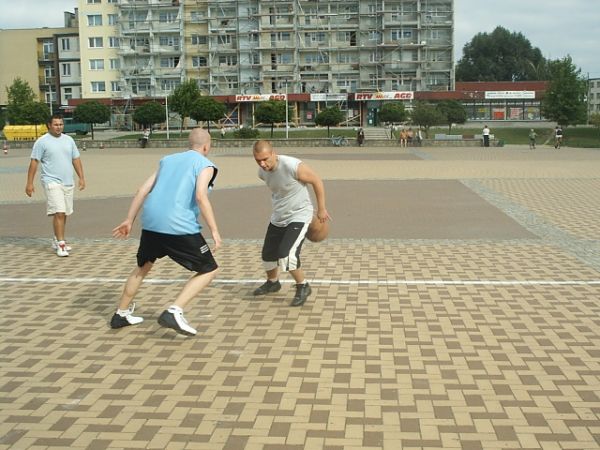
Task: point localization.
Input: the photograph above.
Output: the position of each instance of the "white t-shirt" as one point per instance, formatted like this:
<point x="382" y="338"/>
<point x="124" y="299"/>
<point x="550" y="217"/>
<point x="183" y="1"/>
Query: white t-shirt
<point x="290" y="197"/>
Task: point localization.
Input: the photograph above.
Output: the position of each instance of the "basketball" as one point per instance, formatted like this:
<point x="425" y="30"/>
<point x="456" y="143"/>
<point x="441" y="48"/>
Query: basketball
<point x="317" y="230"/>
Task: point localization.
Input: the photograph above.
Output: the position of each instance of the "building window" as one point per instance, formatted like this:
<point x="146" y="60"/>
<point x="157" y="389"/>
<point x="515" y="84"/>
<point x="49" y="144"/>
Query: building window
<point x="199" y="61"/>
<point x="91" y="2"/>
<point x="48" y="48"/>
<point x="98" y="86"/>
<point x="228" y="60"/>
<point x="94" y="20"/>
<point x="224" y="39"/>
<point x="167" y="17"/>
<point x="65" y="44"/>
<point x="115" y="86"/>
<point x="169" y="84"/>
<point x="196" y="16"/>
<point x="67" y="93"/>
<point x="169" y="62"/>
<point x="95" y="42"/>
<point x="96" y="64"/>
<point x="169" y="41"/>
<point x="115" y="64"/>
<point x="113" y="42"/>
<point x="198" y="39"/>
<point x="113" y="19"/>
<point x="113" y="1"/>
<point x="48" y="73"/>
<point x="66" y="69"/>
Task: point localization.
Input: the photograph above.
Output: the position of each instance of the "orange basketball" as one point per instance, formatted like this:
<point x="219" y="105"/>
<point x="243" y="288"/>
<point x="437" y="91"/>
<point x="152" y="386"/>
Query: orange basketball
<point x="317" y="230"/>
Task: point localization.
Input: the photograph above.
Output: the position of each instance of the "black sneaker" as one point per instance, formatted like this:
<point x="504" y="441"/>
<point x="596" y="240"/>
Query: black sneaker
<point x="302" y="293"/>
<point x="120" y="321"/>
<point x="176" y="321"/>
<point x="268" y="287"/>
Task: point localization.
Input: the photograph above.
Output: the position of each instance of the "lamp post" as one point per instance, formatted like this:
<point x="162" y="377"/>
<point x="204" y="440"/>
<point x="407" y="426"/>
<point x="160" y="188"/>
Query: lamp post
<point x="167" y="113"/>
<point x="287" y="126"/>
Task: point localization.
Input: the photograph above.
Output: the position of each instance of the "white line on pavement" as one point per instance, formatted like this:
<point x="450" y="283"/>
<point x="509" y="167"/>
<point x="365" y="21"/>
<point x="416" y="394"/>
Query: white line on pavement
<point x="98" y="280"/>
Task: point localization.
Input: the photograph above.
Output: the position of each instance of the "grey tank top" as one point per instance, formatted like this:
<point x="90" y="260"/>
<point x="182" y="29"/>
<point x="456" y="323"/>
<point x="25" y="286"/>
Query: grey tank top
<point x="290" y="197"/>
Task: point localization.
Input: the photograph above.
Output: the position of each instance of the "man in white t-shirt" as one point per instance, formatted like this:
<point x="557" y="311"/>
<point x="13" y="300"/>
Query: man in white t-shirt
<point x="486" y="136"/>
<point x="58" y="155"/>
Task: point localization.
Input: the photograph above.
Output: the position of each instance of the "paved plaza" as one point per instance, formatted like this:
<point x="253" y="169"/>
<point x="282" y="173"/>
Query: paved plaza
<point x="456" y="305"/>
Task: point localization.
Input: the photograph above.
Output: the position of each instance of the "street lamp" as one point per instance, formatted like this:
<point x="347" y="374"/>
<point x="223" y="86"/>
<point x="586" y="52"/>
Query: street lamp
<point x="287" y="127"/>
<point x="167" y="113"/>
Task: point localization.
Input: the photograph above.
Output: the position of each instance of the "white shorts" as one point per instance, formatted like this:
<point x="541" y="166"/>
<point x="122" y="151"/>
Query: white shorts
<point x="60" y="199"/>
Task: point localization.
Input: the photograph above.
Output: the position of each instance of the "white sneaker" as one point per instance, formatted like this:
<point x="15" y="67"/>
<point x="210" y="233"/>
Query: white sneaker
<point x="55" y="245"/>
<point x="61" y="249"/>
<point x="173" y="318"/>
<point x="125" y="318"/>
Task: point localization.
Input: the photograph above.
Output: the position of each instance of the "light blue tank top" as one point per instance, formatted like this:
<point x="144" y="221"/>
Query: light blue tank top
<point x="171" y="206"/>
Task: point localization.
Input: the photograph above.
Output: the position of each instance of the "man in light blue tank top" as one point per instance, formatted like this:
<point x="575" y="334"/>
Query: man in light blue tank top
<point x="58" y="156"/>
<point x="287" y="178"/>
<point x="174" y="198"/>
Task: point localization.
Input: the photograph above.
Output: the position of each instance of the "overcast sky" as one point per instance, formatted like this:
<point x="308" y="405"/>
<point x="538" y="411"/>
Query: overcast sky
<point x="556" y="27"/>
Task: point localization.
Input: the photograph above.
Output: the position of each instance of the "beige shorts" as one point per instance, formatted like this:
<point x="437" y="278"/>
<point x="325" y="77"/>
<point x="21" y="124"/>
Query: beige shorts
<point x="60" y="199"/>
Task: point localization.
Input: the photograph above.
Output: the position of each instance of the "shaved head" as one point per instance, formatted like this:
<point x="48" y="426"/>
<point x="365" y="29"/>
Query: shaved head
<point x="199" y="139"/>
<point x="262" y="146"/>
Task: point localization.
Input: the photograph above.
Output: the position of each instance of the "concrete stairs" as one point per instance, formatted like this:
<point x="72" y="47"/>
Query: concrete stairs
<point x="377" y="133"/>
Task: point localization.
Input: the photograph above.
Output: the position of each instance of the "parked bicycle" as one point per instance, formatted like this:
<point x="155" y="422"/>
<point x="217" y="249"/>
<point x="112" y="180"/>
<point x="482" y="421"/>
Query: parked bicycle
<point x="339" y="141"/>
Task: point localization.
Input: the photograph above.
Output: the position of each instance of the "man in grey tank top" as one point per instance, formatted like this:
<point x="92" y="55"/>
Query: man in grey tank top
<point x="287" y="178"/>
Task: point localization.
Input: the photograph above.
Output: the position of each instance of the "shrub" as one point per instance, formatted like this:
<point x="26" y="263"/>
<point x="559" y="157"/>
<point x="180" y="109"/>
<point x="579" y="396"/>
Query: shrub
<point x="246" y="133"/>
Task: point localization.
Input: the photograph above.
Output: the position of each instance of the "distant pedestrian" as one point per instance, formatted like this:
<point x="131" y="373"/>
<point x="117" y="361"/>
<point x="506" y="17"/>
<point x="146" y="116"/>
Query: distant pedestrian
<point x="532" y="136"/>
<point x="486" y="136"/>
<point x="360" y="137"/>
<point x="410" y="136"/>
<point x="145" y="138"/>
<point x="403" y="138"/>
<point x="558" y="136"/>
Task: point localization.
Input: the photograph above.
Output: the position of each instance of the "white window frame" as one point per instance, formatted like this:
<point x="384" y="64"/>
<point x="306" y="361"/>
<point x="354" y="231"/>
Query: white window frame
<point x="98" y="86"/>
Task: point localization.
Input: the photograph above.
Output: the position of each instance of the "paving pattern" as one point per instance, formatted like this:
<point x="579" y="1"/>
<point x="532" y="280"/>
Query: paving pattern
<point x="416" y="341"/>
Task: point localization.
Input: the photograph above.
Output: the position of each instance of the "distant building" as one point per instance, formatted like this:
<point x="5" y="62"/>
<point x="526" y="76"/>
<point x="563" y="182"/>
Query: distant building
<point x="38" y="55"/>
<point x="594" y="96"/>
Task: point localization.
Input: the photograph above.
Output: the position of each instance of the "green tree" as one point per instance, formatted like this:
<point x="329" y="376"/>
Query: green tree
<point x="183" y="99"/>
<point x="36" y="113"/>
<point x="149" y="113"/>
<point x="393" y="112"/>
<point x="329" y="117"/>
<point x="426" y="115"/>
<point x="2" y="119"/>
<point x="501" y="56"/>
<point x="207" y="109"/>
<point x="20" y="97"/>
<point x="270" y="112"/>
<point x="564" y="100"/>
<point x="595" y="120"/>
<point x="92" y="112"/>
<point x="453" y="112"/>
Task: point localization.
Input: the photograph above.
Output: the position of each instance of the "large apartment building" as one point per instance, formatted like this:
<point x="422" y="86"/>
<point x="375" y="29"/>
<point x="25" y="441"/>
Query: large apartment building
<point x="145" y="48"/>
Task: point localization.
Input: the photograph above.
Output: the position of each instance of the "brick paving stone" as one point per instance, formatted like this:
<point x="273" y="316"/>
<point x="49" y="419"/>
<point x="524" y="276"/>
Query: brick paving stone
<point x="405" y="343"/>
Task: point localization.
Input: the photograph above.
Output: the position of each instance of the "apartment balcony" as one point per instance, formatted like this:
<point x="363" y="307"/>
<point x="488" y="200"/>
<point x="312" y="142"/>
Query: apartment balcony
<point x="166" y="26"/>
<point x="133" y="3"/>
<point x="141" y="27"/>
<point x="47" y="81"/>
<point x="46" y="57"/>
<point x="137" y="72"/>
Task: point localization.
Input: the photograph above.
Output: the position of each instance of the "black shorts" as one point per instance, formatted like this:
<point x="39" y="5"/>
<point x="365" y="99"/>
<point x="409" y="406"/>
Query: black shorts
<point x="190" y="250"/>
<point x="283" y="245"/>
